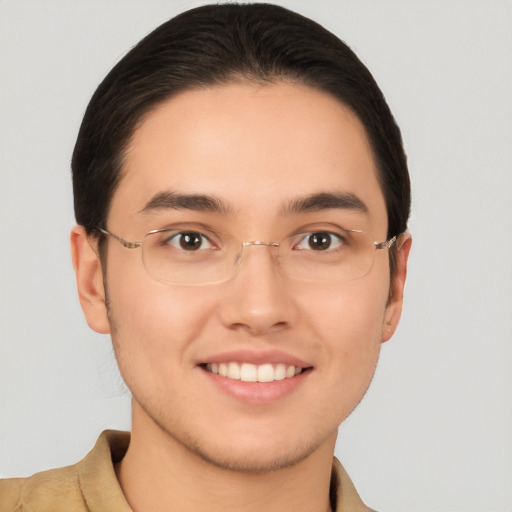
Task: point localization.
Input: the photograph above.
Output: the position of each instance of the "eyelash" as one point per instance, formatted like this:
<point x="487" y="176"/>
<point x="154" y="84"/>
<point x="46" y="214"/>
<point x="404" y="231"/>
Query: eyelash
<point x="329" y="235"/>
<point x="185" y="239"/>
<point x="179" y="234"/>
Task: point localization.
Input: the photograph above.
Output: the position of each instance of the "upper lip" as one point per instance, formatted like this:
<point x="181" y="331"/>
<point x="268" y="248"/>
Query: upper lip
<point x="256" y="358"/>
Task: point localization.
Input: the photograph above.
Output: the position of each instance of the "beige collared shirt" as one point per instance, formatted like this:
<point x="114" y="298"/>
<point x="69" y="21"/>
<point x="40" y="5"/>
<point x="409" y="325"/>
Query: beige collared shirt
<point x="92" y="486"/>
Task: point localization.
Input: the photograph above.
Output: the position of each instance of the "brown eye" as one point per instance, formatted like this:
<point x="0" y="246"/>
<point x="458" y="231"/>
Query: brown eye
<point x="320" y="241"/>
<point x="190" y="241"/>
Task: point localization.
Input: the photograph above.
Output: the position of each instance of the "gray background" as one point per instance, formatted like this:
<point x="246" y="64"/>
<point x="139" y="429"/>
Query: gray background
<point x="434" y="431"/>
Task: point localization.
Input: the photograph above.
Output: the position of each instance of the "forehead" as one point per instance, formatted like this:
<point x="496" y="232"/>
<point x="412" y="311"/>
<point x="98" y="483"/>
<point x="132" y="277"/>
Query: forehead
<point x="253" y="146"/>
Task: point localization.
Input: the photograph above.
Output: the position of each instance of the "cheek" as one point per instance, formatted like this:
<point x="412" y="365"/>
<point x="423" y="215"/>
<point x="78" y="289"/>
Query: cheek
<point x="156" y="330"/>
<point x="348" y="320"/>
<point x="346" y="323"/>
<point x="153" y="324"/>
<point x="350" y="310"/>
<point x="159" y="314"/>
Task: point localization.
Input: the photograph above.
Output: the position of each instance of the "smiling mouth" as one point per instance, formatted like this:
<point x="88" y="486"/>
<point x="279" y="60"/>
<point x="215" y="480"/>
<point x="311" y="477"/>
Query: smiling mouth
<point x="247" y="372"/>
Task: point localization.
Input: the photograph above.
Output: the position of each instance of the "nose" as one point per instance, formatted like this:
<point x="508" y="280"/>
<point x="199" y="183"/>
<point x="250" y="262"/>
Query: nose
<point x="258" y="299"/>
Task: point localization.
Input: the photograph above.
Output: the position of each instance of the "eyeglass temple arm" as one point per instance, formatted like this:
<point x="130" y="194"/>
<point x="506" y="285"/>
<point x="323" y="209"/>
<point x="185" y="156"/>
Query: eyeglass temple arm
<point x="122" y="241"/>
<point x="386" y="244"/>
<point x="389" y="243"/>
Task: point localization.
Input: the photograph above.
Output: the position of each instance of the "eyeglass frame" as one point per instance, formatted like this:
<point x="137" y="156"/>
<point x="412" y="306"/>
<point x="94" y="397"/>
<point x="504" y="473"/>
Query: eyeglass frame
<point x="386" y="244"/>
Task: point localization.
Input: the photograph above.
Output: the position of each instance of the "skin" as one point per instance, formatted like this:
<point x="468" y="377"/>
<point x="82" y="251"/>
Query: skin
<point x="256" y="148"/>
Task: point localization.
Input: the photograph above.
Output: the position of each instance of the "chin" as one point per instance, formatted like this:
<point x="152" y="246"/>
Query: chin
<point x="242" y="459"/>
<point x="250" y="452"/>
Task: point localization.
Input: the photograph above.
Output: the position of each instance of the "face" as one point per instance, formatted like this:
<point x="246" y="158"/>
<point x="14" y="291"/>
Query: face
<point x="255" y="150"/>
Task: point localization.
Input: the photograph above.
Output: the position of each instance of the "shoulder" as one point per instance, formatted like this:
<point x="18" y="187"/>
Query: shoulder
<point x="89" y="485"/>
<point x="55" y="490"/>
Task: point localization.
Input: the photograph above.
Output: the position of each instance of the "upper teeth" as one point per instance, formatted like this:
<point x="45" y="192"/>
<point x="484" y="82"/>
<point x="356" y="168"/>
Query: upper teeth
<point x="254" y="373"/>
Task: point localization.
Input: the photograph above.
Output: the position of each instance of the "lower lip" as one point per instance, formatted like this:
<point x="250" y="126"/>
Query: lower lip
<point x="258" y="392"/>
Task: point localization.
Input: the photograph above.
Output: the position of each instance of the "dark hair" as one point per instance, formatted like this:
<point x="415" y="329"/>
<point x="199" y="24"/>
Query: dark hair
<point x="217" y="44"/>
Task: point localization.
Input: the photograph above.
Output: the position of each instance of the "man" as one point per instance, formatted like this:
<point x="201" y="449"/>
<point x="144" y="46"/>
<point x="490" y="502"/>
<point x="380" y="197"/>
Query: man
<point x="242" y="198"/>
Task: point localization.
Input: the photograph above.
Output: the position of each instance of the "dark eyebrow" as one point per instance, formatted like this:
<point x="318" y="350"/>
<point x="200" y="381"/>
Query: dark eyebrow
<point x="326" y="201"/>
<point x="175" y="201"/>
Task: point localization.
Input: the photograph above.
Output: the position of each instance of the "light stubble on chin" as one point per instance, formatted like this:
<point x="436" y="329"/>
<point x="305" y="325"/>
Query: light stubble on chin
<point x="217" y="457"/>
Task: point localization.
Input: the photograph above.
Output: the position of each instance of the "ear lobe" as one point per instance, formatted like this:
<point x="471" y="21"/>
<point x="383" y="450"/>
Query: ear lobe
<point x="394" y="306"/>
<point x="89" y="280"/>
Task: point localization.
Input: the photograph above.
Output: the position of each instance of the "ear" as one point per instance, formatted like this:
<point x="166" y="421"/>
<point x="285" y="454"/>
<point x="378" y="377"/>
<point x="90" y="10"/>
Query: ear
<point x="394" y="306"/>
<point x="89" y="280"/>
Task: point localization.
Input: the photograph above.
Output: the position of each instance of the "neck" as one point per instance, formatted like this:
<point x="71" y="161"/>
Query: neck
<point x="159" y="474"/>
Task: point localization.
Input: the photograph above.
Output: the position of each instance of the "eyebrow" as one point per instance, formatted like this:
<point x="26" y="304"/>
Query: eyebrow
<point x="326" y="201"/>
<point x="175" y="201"/>
<point x="206" y="203"/>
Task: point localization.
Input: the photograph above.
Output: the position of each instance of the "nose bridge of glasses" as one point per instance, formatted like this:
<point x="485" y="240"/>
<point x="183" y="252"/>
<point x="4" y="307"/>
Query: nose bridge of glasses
<point x="260" y="243"/>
